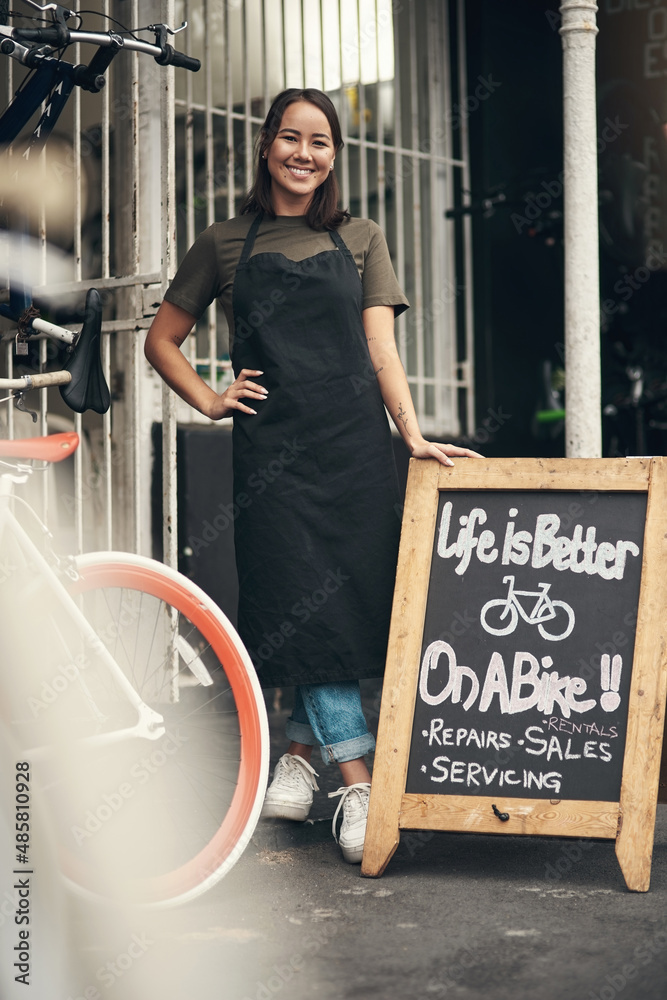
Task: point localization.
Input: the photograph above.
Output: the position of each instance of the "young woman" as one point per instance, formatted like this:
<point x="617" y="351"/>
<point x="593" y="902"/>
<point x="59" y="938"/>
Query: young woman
<point x="310" y="297"/>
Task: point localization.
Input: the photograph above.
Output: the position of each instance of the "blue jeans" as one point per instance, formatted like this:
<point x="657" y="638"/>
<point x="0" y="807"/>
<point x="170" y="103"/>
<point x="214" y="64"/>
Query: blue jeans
<point x="330" y="715"/>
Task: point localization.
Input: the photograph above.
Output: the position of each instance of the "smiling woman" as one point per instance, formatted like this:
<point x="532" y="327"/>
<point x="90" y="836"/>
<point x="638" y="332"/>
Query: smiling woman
<point x="297" y="147"/>
<point x="311" y="297"/>
<point x="299" y="158"/>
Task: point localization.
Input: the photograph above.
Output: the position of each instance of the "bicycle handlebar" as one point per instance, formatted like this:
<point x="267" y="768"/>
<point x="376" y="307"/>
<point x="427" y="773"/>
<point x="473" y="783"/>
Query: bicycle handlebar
<point x="46" y="36"/>
<point x="171" y="57"/>
<point x="60" y="36"/>
<point x="37" y="381"/>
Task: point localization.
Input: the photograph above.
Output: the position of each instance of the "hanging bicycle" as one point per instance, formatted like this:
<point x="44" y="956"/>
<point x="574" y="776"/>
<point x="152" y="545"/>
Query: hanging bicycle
<point x="126" y="689"/>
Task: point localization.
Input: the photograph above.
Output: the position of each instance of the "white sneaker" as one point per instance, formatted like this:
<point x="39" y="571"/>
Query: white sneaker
<point x="290" y="794"/>
<point x="354" y="802"/>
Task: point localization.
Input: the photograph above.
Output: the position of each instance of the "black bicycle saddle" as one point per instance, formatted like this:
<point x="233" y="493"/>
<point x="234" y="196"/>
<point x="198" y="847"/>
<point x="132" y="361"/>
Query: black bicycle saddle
<point x="88" y="389"/>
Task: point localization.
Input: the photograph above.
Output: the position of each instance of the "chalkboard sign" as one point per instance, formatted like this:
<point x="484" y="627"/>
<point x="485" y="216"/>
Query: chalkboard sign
<point x="530" y="621"/>
<point x="526" y="671"/>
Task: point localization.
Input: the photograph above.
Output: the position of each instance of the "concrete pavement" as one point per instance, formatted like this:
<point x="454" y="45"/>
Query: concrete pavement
<point x="454" y="915"/>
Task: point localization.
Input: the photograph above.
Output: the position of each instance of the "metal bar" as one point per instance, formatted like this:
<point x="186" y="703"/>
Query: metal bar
<point x="381" y="178"/>
<point x="78" y="222"/>
<point x="303" y="44"/>
<point x="134" y="63"/>
<point x="133" y="338"/>
<point x="416" y="154"/>
<point x="76" y="144"/>
<point x="301" y="49"/>
<point x="284" y="36"/>
<point x="133" y="435"/>
<point x="10" y="345"/>
<point x="265" y="67"/>
<point x="106" y="459"/>
<point x="122" y="281"/>
<point x="108" y="326"/>
<point x="247" y="131"/>
<point x="104" y="40"/>
<point x="361" y="103"/>
<point x="189" y="153"/>
<point x="398" y="168"/>
<point x="314" y="38"/>
<point x="229" y="106"/>
<point x="78" y="486"/>
<point x="124" y="325"/>
<point x="467" y="225"/>
<point x="344" y="170"/>
<point x="416" y="211"/>
<point x="107" y="467"/>
<point x="322" y="46"/>
<point x="441" y="315"/>
<point x="106" y="231"/>
<point x="10" y="374"/>
<point x="168" y="184"/>
<point x="43" y="429"/>
<point x="211" y="325"/>
<point x="43" y="393"/>
<point x="448" y="225"/>
<point x="189" y="125"/>
<point x="440" y="320"/>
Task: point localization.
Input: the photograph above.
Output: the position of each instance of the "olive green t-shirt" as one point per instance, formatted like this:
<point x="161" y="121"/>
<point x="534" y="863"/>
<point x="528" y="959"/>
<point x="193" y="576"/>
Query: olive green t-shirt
<point x="208" y="269"/>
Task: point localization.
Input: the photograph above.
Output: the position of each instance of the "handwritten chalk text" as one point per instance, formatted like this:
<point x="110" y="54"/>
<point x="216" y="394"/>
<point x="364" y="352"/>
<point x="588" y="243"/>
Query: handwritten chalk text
<point x="543" y="546"/>
<point x="527" y="689"/>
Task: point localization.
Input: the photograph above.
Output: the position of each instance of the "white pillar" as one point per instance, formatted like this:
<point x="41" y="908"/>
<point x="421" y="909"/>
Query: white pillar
<point x="583" y="431"/>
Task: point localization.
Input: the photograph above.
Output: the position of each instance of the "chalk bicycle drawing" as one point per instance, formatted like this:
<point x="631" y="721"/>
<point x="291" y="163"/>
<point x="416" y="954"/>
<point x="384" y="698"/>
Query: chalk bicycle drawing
<point x="112" y="661"/>
<point x="543" y="610"/>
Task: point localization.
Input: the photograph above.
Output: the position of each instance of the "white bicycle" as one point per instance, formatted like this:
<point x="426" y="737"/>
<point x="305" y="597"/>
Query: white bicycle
<point x="133" y="699"/>
<point x="542" y="610"/>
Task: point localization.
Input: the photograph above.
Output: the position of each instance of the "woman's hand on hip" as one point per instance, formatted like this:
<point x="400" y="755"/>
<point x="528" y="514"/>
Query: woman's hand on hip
<point x="231" y="399"/>
<point x="442" y="452"/>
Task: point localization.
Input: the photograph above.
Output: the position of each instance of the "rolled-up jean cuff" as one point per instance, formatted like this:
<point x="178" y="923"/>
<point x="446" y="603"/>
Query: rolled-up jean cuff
<point x="300" y="732"/>
<point x="348" y="749"/>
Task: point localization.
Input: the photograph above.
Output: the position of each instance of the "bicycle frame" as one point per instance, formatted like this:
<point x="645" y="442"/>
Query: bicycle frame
<point x="155" y="639"/>
<point x="55" y="79"/>
<point x="50" y="85"/>
<point x="543" y="601"/>
<point x="150" y="724"/>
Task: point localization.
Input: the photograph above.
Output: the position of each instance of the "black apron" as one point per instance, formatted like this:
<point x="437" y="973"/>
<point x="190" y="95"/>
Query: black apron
<point x="315" y="482"/>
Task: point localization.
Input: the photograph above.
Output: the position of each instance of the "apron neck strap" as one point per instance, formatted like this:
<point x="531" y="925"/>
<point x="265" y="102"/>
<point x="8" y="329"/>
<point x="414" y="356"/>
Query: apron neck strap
<point x="340" y="243"/>
<point x="250" y="239"/>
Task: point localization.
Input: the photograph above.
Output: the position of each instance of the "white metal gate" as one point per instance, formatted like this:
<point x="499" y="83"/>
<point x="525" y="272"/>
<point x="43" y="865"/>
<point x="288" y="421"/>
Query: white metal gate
<point x="152" y="160"/>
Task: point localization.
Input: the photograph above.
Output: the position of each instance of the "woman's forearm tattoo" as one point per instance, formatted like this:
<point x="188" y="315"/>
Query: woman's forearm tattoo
<point x="402" y="417"/>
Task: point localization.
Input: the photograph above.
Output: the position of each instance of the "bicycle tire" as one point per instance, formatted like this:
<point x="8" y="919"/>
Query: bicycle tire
<point x="215" y="831"/>
<point x="570" y="623"/>
<point x="500" y="602"/>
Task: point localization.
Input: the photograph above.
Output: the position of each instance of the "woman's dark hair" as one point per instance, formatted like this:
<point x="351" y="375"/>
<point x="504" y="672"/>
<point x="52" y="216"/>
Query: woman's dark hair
<point x="323" y="212"/>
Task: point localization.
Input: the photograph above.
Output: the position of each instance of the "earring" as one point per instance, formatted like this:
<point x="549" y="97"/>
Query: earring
<point x="331" y="165"/>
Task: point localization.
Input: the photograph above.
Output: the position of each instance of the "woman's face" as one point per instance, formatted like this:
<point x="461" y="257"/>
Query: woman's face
<point x="299" y="158"/>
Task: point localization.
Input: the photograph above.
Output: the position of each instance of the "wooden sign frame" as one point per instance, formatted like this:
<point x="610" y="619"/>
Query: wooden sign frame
<point x="631" y="821"/>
